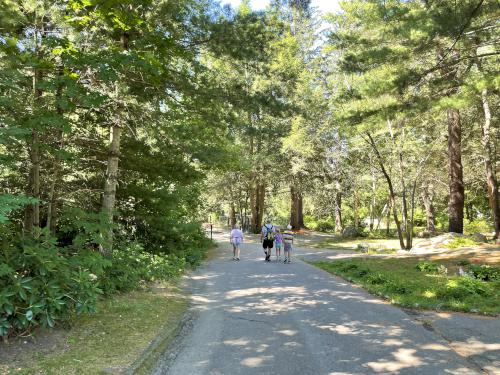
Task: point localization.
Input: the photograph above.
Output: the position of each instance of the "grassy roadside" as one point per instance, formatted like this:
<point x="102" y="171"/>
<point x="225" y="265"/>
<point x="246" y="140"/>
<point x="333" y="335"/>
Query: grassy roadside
<point x="352" y="243"/>
<point x="400" y="282"/>
<point x="106" y="342"/>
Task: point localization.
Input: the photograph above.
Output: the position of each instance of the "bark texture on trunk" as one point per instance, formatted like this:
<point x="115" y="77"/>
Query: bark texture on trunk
<point x="232" y="215"/>
<point x="296" y="208"/>
<point x="257" y="199"/>
<point x="427" y="199"/>
<point x="457" y="195"/>
<point x="301" y="211"/>
<point x="32" y="211"/>
<point x="111" y="180"/>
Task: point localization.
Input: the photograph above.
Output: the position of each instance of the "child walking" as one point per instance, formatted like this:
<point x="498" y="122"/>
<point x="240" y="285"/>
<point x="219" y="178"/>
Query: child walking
<point x="288" y="241"/>
<point x="278" y="239"/>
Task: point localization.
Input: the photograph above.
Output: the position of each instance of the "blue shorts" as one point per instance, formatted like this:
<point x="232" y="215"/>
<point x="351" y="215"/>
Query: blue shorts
<point x="236" y="241"/>
<point x="288" y="246"/>
<point x="279" y="246"/>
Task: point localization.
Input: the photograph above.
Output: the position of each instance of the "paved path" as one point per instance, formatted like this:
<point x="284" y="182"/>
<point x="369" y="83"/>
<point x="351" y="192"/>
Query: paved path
<point x="252" y="317"/>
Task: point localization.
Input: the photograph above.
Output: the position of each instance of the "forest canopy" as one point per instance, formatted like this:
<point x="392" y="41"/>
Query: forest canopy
<point x="124" y="125"/>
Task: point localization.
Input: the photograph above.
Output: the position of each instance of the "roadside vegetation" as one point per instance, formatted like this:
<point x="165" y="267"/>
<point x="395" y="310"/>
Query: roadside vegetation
<point x="444" y="284"/>
<point x="108" y="341"/>
<point x="124" y="125"/>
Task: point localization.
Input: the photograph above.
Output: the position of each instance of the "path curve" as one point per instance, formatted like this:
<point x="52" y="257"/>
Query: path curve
<point x="252" y="317"/>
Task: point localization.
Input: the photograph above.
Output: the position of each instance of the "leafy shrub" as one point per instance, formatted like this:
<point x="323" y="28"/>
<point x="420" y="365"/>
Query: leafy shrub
<point x="320" y="225"/>
<point x="463" y="262"/>
<point x="429" y="267"/>
<point x="463" y="287"/>
<point x="460" y="242"/>
<point x="40" y="286"/>
<point x="377" y="279"/>
<point x="484" y="272"/>
<point x="42" y="282"/>
<point x="131" y="265"/>
<point x="398" y="288"/>
<point x="477" y="226"/>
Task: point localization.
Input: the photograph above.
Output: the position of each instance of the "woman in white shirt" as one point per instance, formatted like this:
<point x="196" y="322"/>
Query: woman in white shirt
<point x="236" y="238"/>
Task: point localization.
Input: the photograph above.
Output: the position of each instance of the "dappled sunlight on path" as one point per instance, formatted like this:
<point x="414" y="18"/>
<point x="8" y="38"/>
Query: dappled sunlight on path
<point x="254" y="317"/>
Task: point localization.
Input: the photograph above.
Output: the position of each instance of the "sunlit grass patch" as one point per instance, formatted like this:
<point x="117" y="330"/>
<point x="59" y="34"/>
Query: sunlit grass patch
<point x="401" y="282"/>
<point x="373" y="245"/>
<point x="461" y="242"/>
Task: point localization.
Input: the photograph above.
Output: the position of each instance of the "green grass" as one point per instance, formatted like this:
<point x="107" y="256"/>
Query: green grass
<point x="461" y="242"/>
<point x="400" y="282"/>
<point x="112" y="339"/>
<point x="352" y="243"/>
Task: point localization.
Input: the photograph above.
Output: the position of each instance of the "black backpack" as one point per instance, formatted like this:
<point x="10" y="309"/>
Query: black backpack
<point x="269" y="233"/>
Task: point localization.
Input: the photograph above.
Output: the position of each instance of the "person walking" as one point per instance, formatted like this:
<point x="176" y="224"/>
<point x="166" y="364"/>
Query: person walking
<point x="267" y="238"/>
<point x="278" y="242"/>
<point x="236" y="238"/>
<point x="288" y="241"/>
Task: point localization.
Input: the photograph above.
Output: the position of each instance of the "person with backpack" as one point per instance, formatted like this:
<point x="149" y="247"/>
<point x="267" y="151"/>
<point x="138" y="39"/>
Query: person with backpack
<point x="267" y="238"/>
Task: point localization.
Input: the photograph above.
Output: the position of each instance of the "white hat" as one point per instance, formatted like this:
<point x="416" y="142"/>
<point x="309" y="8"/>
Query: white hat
<point x="289" y="227"/>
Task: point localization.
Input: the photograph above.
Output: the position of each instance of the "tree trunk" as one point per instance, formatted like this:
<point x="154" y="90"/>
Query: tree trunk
<point x="56" y="164"/>
<point x="294" y="207"/>
<point x="111" y="180"/>
<point x="110" y="183"/>
<point x="338" y="209"/>
<point x="489" y="160"/>
<point x="232" y="215"/>
<point x="355" y="208"/>
<point x="257" y="197"/>
<point x="373" y="200"/>
<point x="388" y="219"/>
<point x="392" y="196"/>
<point x="32" y="211"/>
<point x="404" y="204"/>
<point x="449" y="72"/>
<point x="457" y="196"/>
<point x="301" y="212"/>
<point x="262" y="196"/>
<point x="409" y="232"/>
<point x="427" y="198"/>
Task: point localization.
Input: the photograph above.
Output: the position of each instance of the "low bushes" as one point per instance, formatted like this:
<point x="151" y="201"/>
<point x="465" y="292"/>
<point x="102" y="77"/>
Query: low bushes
<point x="424" y="284"/>
<point x="44" y="281"/>
<point x="461" y="242"/>
<point x="463" y="287"/>
<point x="40" y="285"/>
<point x="320" y="225"/>
<point x="484" y="272"/>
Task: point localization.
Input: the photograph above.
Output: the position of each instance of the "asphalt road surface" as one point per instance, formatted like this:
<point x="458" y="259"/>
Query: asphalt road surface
<point x="252" y="317"/>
